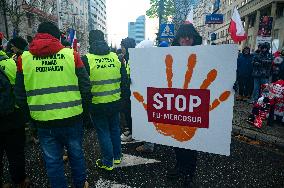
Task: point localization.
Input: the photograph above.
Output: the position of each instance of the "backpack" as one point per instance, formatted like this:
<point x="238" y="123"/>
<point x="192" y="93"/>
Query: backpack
<point x="7" y="100"/>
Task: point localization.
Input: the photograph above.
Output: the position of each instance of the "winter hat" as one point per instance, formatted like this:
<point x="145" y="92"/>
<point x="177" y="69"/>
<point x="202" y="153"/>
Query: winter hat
<point x="164" y="44"/>
<point x="50" y="28"/>
<point x="19" y="43"/>
<point x="128" y="43"/>
<point x="96" y="35"/>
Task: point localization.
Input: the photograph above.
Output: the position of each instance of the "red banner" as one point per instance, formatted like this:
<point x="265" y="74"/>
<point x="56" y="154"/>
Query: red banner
<point x="185" y="107"/>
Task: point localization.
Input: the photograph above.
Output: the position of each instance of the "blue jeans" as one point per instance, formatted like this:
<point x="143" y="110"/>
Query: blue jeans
<point x="108" y="131"/>
<point x="53" y="141"/>
<point x="256" y="88"/>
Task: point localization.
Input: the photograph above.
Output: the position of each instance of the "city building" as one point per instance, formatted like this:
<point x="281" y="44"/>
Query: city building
<point x="200" y="10"/>
<point x="26" y="18"/>
<point x="131" y="29"/>
<point x="136" y="30"/>
<point x="251" y="12"/>
<point x="97" y="15"/>
<point x="73" y="14"/>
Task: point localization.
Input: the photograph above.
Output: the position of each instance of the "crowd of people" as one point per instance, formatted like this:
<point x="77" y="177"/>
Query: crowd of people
<point x="260" y="78"/>
<point x="47" y="85"/>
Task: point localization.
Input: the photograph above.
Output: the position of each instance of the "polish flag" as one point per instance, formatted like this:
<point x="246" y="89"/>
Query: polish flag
<point x="75" y="42"/>
<point x="236" y="28"/>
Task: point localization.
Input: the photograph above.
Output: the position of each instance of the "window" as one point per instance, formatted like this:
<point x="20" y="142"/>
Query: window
<point x="280" y="10"/>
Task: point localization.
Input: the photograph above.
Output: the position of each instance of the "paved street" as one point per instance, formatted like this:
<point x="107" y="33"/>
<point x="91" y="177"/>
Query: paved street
<point x="248" y="166"/>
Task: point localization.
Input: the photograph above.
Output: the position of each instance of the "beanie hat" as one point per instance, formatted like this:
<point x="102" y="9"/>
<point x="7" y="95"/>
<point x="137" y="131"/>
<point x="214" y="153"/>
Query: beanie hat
<point x="50" y="28"/>
<point x="128" y="43"/>
<point x="19" y="43"/>
<point x="96" y="35"/>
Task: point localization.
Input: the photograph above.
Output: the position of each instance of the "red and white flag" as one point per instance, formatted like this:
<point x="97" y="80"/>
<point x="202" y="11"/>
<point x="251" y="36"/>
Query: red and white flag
<point x="236" y="28"/>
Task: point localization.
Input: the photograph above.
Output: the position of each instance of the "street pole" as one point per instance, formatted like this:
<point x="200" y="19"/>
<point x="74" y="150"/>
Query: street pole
<point x="161" y="14"/>
<point x="58" y="6"/>
<point x="5" y="18"/>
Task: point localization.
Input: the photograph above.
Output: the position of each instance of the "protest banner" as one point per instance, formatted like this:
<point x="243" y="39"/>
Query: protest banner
<point x="183" y="96"/>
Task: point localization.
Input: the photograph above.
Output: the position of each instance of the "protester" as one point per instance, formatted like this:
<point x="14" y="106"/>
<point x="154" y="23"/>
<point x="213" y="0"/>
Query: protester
<point x="52" y="85"/>
<point x="186" y="159"/>
<point x="12" y="130"/>
<point x="127" y="43"/>
<point x="244" y="71"/>
<point x="261" y="71"/>
<point x="18" y="46"/>
<point x="109" y="85"/>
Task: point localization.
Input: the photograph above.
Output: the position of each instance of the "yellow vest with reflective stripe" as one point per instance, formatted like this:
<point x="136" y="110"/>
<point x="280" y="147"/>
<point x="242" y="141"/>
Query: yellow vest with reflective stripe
<point x="52" y="86"/>
<point x="10" y="69"/>
<point x="105" y="77"/>
<point x="127" y="66"/>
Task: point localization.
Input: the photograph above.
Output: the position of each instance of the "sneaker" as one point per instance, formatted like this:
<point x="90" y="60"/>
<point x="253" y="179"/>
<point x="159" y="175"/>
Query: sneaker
<point x="142" y="149"/>
<point x="126" y="136"/>
<point x="100" y="164"/>
<point x="117" y="161"/>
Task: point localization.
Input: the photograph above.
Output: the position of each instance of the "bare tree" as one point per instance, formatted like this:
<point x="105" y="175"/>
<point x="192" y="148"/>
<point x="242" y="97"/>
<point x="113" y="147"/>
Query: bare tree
<point x="182" y="10"/>
<point x="18" y="10"/>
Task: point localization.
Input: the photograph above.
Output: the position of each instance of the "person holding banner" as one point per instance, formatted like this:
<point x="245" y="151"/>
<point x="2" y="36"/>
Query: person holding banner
<point x="186" y="159"/>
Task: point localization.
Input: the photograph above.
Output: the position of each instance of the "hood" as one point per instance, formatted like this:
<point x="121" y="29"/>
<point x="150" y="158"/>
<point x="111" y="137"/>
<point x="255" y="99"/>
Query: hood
<point x="99" y="48"/>
<point x="44" y="45"/>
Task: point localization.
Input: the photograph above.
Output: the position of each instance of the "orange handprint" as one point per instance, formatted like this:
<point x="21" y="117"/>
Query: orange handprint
<point x="184" y="133"/>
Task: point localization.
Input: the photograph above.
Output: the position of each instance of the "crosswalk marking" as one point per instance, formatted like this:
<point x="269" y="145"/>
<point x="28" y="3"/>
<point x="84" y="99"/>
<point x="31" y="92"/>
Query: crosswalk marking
<point x="131" y="160"/>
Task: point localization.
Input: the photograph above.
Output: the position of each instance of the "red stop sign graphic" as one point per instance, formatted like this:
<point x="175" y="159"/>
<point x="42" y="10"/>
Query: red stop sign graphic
<point x="185" y="107"/>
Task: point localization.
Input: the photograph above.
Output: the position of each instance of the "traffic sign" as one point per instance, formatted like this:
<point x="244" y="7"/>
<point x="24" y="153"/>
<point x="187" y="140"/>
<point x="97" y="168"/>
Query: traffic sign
<point x="167" y="31"/>
<point x="214" y="19"/>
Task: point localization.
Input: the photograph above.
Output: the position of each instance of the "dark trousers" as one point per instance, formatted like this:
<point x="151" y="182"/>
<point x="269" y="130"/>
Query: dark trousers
<point x="186" y="161"/>
<point x="12" y="142"/>
<point x="245" y="86"/>
<point x="127" y="114"/>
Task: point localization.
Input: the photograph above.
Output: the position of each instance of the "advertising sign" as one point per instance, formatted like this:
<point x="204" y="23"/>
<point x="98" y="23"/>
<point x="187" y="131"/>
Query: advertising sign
<point x="214" y="19"/>
<point x="183" y="96"/>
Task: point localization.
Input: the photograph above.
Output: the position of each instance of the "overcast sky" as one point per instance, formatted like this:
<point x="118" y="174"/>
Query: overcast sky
<point x="120" y="12"/>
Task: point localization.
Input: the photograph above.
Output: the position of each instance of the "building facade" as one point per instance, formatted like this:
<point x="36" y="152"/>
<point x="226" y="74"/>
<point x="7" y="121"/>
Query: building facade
<point x="200" y="10"/>
<point x="97" y="15"/>
<point x="136" y="30"/>
<point x="26" y="20"/>
<point x="73" y="14"/>
<point x="251" y="12"/>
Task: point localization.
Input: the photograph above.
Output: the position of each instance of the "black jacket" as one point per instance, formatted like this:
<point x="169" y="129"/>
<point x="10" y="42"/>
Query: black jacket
<point x="101" y="48"/>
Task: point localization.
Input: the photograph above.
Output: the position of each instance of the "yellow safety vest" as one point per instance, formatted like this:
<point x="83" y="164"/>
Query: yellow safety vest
<point x="10" y="69"/>
<point x="105" y="77"/>
<point x="52" y="86"/>
<point x="127" y="66"/>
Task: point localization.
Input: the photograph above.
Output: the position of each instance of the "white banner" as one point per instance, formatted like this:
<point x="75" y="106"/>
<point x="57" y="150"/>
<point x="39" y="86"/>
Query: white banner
<point x="189" y="91"/>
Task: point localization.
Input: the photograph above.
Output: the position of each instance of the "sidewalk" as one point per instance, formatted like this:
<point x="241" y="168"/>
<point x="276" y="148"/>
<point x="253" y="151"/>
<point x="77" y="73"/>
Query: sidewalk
<point x="269" y="134"/>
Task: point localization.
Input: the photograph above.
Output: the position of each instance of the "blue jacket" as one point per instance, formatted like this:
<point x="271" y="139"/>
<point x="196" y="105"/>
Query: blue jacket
<point x="244" y="68"/>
